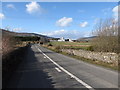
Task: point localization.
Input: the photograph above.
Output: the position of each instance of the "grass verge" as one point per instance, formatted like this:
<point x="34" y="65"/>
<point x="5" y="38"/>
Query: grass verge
<point x="95" y="62"/>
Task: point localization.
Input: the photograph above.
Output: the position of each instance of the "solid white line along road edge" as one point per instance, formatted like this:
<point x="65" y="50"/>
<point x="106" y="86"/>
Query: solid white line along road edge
<point x="58" y="69"/>
<point x="73" y="76"/>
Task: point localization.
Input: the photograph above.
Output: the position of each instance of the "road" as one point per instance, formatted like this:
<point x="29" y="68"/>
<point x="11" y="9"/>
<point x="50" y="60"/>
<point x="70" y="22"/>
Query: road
<point x="44" y="68"/>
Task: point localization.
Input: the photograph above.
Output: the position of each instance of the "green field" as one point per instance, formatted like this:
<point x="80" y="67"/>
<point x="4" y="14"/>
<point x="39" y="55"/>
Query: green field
<point x="71" y="45"/>
<point x="68" y="43"/>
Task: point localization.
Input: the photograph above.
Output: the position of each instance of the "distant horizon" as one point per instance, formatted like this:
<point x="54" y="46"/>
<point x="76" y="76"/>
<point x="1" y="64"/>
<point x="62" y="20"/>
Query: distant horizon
<point x="56" y="19"/>
<point x="49" y="36"/>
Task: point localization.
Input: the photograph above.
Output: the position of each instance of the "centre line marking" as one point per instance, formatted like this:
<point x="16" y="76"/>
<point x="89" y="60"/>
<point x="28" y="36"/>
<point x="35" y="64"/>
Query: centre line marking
<point x="58" y="69"/>
<point x="71" y="75"/>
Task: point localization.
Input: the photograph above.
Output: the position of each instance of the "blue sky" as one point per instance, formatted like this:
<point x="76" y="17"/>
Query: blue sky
<point x="56" y="19"/>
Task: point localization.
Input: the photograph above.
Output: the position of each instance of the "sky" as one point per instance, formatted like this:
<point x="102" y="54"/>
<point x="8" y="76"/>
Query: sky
<point x="56" y="19"/>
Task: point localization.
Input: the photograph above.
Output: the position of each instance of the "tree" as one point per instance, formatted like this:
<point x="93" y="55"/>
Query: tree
<point x="107" y="36"/>
<point x="8" y="43"/>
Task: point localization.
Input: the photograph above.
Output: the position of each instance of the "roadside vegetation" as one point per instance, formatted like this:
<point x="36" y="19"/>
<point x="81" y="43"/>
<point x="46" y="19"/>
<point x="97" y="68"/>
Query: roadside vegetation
<point x="8" y="43"/>
<point x="14" y="50"/>
<point x="107" y="32"/>
<point x="95" y="62"/>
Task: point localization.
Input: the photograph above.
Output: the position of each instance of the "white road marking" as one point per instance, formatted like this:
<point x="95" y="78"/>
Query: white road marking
<point x="58" y="69"/>
<point x="71" y="75"/>
<point x="44" y="57"/>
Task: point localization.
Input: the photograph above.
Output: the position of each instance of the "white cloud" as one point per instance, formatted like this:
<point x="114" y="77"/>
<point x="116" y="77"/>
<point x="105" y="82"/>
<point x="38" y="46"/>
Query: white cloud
<point x="10" y="6"/>
<point x="17" y="29"/>
<point x="84" y="24"/>
<point x="2" y="16"/>
<point x="72" y="34"/>
<point x="57" y="32"/>
<point x="63" y="22"/>
<point x="33" y="7"/>
<point x="116" y="11"/>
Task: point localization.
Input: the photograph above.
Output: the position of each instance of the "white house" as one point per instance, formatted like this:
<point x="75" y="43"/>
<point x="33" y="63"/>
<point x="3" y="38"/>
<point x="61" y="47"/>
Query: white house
<point x="61" y="39"/>
<point x="70" y="40"/>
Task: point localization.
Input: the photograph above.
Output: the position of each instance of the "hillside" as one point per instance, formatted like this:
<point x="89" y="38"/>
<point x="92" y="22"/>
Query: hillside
<point x="23" y="34"/>
<point x="87" y="38"/>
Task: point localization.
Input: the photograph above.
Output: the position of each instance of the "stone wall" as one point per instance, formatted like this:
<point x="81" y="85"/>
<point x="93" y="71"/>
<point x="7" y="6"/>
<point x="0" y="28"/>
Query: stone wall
<point x="102" y="56"/>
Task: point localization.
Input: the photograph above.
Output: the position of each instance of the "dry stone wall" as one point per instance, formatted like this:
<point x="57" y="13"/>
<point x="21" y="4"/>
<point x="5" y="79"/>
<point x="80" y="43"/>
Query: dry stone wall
<point x="102" y="56"/>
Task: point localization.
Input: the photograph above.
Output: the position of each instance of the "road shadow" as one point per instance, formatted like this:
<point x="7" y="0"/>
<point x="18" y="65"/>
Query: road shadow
<point x="30" y="74"/>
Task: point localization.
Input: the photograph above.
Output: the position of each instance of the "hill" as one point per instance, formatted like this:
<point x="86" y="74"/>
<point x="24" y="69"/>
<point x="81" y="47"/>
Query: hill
<point x="24" y="34"/>
<point x="86" y="39"/>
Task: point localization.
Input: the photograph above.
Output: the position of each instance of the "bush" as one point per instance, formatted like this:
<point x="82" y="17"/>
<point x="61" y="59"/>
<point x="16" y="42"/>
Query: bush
<point x="58" y="49"/>
<point x="107" y="36"/>
<point x="49" y="44"/>
<point x="8" y="43"/>
<point x="41" y="43"/>
<point x="90" y="48"/>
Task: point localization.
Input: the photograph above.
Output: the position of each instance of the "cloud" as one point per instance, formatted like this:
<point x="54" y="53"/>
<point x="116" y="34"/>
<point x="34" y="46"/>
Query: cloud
<point x="64" y="22"/>
<point x="72" y="34"/>
<point x="116" y="11"/>
<point x="10" y="6"/>
<point x="84" y="24"/>
<point x="17" y="29"/>
<point x="57" y="32"/>
<point x="2" y="16"/>
<point x="33" y="7"/>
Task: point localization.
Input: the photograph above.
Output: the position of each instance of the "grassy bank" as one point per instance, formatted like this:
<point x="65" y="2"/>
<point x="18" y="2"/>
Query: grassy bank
<point x="10" y="62"/>
<point x="95" y="62"/>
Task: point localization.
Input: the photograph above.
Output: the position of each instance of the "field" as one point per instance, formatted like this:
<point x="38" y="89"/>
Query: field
<point x="71" y="45"/>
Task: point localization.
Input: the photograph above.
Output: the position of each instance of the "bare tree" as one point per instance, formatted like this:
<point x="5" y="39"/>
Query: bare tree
<point x="107" y="36"/>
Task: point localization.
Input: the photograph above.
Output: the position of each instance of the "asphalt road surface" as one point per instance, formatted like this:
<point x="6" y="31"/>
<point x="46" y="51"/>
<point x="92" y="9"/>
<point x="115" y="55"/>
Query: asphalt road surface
<point x="44" y="68"/>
